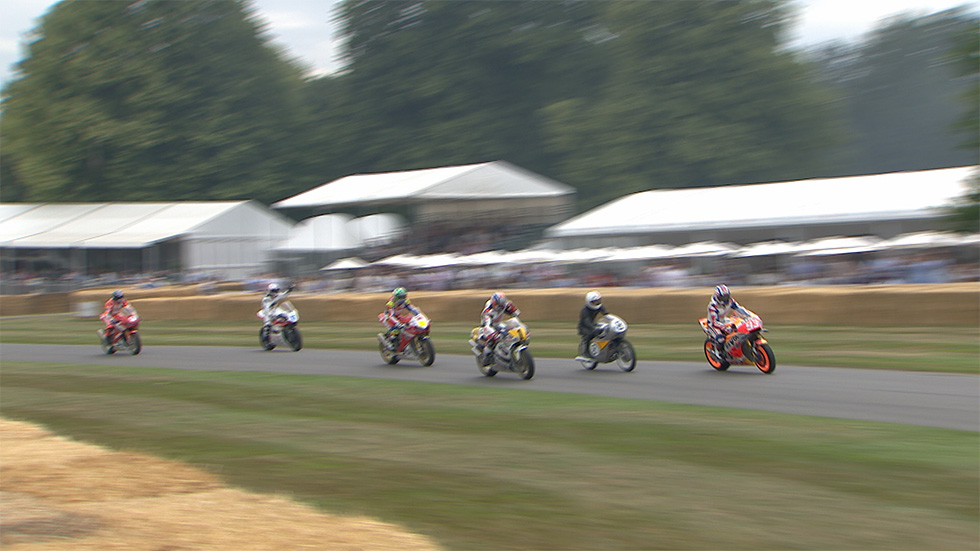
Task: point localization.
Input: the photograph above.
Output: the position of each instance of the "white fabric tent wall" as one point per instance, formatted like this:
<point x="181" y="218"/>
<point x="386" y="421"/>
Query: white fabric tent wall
<point x="890" y="203"/>
<point x="377" y="228"/>
<point x="330" y="232"/>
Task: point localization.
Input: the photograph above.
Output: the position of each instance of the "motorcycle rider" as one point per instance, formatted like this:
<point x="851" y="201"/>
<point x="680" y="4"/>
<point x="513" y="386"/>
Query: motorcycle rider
<point x="586" y="320"/>
<point x="274" y="295"/>
<point x="493" y="313"/>
<point x="115" y="304"/>
<point x="721" y="306"/>
<point x="397" y="309"/>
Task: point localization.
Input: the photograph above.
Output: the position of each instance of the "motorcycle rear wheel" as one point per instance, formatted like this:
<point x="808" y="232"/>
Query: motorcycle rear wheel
<point x="486" y="370"/>
<point x="714" y="360"/>
<point x="265" y="338"/>
<point x="627" y="356"/>
<point x="107" y="348"/>
<point x="765" y="360"/>
<point x="387" y="354"/>
<point x="587" y="364"/>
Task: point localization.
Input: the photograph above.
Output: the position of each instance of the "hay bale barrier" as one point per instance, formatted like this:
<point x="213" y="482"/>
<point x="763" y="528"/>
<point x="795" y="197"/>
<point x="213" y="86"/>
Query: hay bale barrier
<point x="953" y="304"/>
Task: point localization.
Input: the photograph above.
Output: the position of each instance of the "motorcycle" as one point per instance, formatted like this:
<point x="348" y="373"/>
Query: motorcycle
<point x="411" y="341"/>
<point x="609" y="345"/>
<point x="744" y="345"/>
<point x="280" y="327"/>
<point x="510" y="354"/>
<point x="126" y="336"/>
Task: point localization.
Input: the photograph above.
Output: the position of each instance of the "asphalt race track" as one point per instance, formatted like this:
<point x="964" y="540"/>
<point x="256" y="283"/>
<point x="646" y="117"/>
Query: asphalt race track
<point x="926" y="399"/>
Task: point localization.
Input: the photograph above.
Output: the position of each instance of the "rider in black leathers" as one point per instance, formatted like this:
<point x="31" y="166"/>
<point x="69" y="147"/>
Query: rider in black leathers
<point x="586" y="319"/>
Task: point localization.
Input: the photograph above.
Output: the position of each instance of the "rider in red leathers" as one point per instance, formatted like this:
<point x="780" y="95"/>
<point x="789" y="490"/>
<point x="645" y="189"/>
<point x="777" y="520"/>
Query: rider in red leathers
<point x="116" y="303"/>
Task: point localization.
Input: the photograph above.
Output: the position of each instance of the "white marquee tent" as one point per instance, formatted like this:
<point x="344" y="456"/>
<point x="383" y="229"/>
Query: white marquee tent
<point x="880" y="204"/>
<point x="228" y="239"/>
<point x="452" y="193"/>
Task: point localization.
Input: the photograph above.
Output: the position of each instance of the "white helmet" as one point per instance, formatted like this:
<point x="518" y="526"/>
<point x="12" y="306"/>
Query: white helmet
<point x="593" y="300"/>
<point x="272" y="289"/>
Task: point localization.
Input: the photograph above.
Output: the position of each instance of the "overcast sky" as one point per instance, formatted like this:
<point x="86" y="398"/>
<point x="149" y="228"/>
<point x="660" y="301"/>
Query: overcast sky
<point x="304" y="26"/>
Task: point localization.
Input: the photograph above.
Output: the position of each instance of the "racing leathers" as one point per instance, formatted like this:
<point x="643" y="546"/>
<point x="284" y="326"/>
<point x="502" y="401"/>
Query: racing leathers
<point x="271" y="301"/>
<point x="113" y="308"/>
<point x="397" y="313"/>
<point x="587" y="325"/>
<point x="491" y="316"/>
<point x="718" y="322"/>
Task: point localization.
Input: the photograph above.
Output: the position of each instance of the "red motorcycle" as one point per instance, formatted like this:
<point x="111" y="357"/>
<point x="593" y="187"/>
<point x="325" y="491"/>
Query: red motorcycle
<point x="410" y="341"/>
<point x="744" y="345"/>
<point x="125" y="335"/>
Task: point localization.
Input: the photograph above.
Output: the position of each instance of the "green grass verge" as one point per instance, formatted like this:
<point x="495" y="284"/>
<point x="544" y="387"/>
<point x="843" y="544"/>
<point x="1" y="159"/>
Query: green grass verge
<point x="947" y="349"/>
<point x="491" y="468"/>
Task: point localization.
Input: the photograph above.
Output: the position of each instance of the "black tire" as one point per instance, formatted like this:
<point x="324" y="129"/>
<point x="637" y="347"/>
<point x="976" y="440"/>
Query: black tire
<point x="265" y="338"/>
<point x="626" y="357"/>
<point x="425" y="351"/>
<point x="135" y="343"/>
<point x="387" y="354"/>
<point x="582" y="352"/>
<point x="717" y="363"/>
<point x="106" y="348"/>
<point x="525" y="365"/>
<point x="765" y="360"/>
<point x="486" y="370"/>
<point x="292" y="336"/>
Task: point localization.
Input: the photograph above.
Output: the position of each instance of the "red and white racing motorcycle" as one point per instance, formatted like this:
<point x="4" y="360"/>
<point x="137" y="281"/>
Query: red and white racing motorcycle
<point x="409" y="341"/>
<point x="125" y="336"/>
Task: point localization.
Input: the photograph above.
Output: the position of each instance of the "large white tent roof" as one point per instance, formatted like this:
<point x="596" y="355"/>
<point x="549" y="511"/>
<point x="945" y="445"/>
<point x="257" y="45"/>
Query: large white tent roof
<point x="493" y="180"/>
<point x="106" y="225"/>
<point x="895" y="196"/>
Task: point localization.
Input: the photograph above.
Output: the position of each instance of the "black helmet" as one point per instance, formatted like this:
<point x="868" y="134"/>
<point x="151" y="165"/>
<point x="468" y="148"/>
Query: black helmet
<point x="118" y="295"/>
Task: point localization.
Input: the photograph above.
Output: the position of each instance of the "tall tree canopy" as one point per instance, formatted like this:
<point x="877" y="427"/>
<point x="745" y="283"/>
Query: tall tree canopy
<point x="152" y="99"/>
<point x="902" y="91"/>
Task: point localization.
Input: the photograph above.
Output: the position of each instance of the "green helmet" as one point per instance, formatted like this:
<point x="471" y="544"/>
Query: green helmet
<point x="399" y="294"/>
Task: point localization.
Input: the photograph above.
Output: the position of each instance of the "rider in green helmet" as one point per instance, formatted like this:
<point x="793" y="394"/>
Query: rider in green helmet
<point x="398" y="311"/>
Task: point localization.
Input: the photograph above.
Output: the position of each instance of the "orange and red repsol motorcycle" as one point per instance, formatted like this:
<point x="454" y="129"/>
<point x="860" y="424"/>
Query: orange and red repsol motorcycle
<point x="744" y="345"/>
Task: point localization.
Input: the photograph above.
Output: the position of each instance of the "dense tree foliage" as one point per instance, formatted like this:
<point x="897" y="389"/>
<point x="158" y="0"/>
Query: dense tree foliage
<point x="152" y="100"/>
<point x="902" y="93"/>
<point x="163" y="100"/>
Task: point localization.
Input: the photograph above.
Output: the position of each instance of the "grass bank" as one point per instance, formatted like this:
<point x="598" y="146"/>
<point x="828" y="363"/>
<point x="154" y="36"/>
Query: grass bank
<point x="489" y="468"/>
<point x="941" y="349"/>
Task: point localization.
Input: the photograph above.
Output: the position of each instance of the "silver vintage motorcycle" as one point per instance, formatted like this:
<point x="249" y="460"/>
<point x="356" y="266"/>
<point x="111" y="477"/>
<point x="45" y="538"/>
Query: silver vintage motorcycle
<point x="609" y="345"/>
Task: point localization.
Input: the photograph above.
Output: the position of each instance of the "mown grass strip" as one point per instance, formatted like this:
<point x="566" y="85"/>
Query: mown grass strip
<point x="480" y="468"/>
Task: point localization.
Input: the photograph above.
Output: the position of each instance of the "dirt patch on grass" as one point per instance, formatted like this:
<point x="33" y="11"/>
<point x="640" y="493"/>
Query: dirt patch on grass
<point x="58" y="494"/>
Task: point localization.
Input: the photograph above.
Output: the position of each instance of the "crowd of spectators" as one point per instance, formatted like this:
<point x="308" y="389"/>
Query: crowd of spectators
<point x="924" y="266"/>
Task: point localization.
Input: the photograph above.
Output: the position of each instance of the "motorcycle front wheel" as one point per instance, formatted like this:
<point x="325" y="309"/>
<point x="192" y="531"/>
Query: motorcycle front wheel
<point x="524" y="365"/>
<point x="292" y="336"/>
<point x="627" y="356"/>
<point x="714" y="358"/>
<point x="764" y="359"/>
<point x="425" y="351"/>
<point x="134" y="343"/>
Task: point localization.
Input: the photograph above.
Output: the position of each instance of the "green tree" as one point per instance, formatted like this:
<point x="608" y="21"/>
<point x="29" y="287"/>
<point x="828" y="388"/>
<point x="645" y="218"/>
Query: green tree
<point x="700" y="94"/>
<point x="433" y="82"/>
<point x="901" y="91"/>
<point x="154" y="100"/>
